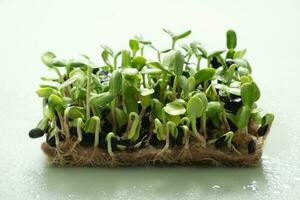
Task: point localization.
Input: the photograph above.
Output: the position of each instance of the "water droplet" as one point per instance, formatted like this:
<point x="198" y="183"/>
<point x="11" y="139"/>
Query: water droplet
<point x="216" y="187"/>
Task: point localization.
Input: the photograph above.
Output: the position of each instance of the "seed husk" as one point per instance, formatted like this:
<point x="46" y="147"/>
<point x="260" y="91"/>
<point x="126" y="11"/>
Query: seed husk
<point x="220" y="142"/>
<point x="36" y="133"/>
<point x="251" y="147"/>
<point x="262" y="130"/>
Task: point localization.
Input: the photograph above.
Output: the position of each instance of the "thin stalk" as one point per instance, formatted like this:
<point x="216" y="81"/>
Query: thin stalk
<point x="203" y="125"/>
<point x="56" y="136"/>
<point x="198" y="63"/>
<point x="97" y="131"/>
<point x="174" y="87"/>
<point x="113" y="115"/>
<point x="158" y="56"/>
<point x="79" y="131"/>
<point x="88" y="92"/>
<point x="109" y="136"/>
<point x="163" y="86"/>
<point x="142" y="113"/>
<point x="66" y="123"/>
<point x="173" y="43"/>
<point x="225" y="120"/>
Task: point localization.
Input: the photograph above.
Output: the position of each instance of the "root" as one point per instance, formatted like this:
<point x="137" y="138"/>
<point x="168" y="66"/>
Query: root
<point x="185" y="156"/>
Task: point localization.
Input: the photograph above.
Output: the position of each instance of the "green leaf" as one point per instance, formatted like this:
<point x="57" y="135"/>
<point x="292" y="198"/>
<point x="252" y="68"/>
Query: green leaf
<point x="174" y="109"/>
<point x="47" y="58"/>
<point x="146" y="91"/>
<point x="55" y="100"/>
<point x="76" y="112"/>
<point x="121" y="117"/>
<point x="250" y="93"/>
<point x="105" y="57"/>
<point x="173" y="118"/>
<point x="159" y="66"/>
<point x="267" y="119"/>
<point x="58" y="62"/>
<point x="229" y="74"/>
<point x="156" y="109"/>
<point x="134" y="126"/>
<point x="172" y="128"/>
<point x="231" y="39"/>
<point x="139" y="62"/>
<point x="213" y="107"/>
<point x="159" y="130"/>
<point x="71" y="80"/>
<point x="203" y="99"/>
<point x="178" y="63"/>
<point x="134" y="45"/>
<point x="129" y="71"/>
<point x="174" y="61"/>
<point x="243" y="117"/>
<point x="102" y="99"/>
<point x="45" y="92"/>
<point x="182" y="35"/>
<point x="115" y="83"/>
<point x="126" y="58"/>
<point x="130" y="99"/>
<point x="204" y="75"/>
<point x="184" y="84"/>
<point x="108" y="50"/>
<point x="240" y="54"/>
<point x="81" y="61"/>
<point x="48" y="112"/>
<point x="195" y="107"/>
<point x="151" y="71"/>
<point x="90" y="125"/>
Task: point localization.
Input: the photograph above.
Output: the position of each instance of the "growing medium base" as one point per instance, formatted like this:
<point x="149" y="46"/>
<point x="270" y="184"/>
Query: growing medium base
<point x="195" y="155"/>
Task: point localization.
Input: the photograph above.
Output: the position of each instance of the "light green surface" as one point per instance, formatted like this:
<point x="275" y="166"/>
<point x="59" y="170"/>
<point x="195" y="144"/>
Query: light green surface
<point x="269" y="29"/>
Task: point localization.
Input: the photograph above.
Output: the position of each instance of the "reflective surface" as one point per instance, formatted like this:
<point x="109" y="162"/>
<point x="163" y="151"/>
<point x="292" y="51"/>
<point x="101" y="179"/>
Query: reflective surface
<point x="270" y="32"/>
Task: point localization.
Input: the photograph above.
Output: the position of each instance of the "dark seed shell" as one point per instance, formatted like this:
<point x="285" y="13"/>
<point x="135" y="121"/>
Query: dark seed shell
<point x="87" y="139"/>
<point x="234" y="104"/>
<point x="106" y="126"/>
<point x="215" y="63"/>
<point x="73" y="131"/>
<point x="125" y="142"/>
<point x="220" y="142"/>
<point x="155" y="142"/>
<point x="179" y="139"/>
<point x="262" y="130"/>
<point x="36" y="133"/>
<point x="229" y="62"/>
<point x="51" y="140"/>
<point x="232" y="126"/>
<point x="251" y="146"/>
<point x="186" y="74"/>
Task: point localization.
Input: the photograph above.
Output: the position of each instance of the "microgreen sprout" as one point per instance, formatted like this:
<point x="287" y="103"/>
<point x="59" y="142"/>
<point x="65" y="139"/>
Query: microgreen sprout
<point x="174" y="99"/>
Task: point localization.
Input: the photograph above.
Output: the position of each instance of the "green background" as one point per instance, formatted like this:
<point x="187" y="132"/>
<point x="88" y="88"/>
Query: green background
<point x="268" y="29"/>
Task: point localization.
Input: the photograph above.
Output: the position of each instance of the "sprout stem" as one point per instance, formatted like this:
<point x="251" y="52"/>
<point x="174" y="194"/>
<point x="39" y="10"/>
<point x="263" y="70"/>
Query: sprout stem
<point x="97" y="131"/>
<point x="109" y="136"/>
<point x="198" y="63"/>
<point x="88" y="92"/>
<point x="225" y="120"/>
<point x="203" y="125"/>
<point x="79" y="132"/>
<point x="66" y="122"/>
<point x="113" y="115"/>
<point x="174" y="87"/>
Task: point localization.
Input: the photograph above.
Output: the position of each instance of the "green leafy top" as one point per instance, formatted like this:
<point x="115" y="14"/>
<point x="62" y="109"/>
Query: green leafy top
<point x="183" y="88"/>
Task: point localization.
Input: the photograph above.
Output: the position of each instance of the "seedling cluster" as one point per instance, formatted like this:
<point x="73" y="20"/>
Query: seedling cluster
<point x="186" y="96"/>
